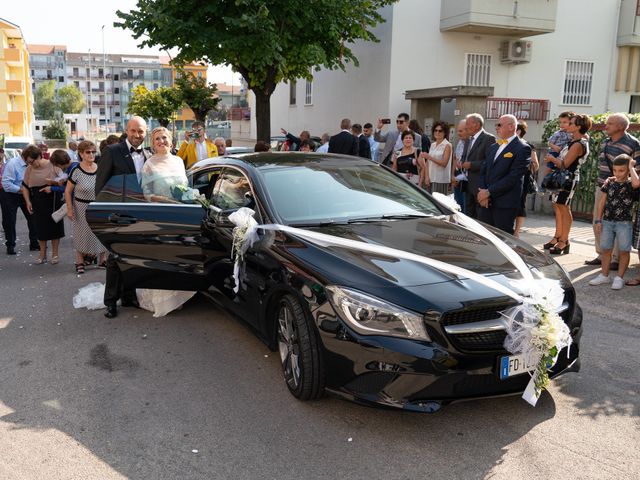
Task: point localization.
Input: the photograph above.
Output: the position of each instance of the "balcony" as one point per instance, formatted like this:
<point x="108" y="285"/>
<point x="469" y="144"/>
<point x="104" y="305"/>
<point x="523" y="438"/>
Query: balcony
<point x="15" y="87"/>
<point x="499" y="17"/>
<point x="522" y="108"/>
<point x="13" y="57"/>
<point x="628" y="25"/>
<point x="17" y="117"/>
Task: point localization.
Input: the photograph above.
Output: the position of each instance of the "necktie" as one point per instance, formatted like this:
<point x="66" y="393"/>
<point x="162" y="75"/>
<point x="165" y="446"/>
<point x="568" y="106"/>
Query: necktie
<point x="136" y="150"/>
<point x="502" y="142"/>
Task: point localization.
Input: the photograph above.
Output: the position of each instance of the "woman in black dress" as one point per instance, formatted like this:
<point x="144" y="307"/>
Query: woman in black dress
<point x="407" y="161"/>
<point x="42" y="202"/>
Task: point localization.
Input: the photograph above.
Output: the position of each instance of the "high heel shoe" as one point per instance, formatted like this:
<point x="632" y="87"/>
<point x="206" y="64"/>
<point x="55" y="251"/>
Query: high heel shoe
<point x="556" y="250"/>
<point x="550" y="244"/>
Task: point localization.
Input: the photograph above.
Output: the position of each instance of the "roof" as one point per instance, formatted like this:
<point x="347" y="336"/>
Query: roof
<point x="44" y="49"/>
<point x="269" y="160"/>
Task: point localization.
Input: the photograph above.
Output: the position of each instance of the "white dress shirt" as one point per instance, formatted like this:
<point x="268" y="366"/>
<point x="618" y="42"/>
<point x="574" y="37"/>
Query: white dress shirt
<point x="201" y="150"/>
<point x="138" y="160"/>
<point x="473" y="138"/>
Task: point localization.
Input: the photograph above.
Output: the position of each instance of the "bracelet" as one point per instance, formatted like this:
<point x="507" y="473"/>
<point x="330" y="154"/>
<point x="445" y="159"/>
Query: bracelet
<point x="596" y="222"/>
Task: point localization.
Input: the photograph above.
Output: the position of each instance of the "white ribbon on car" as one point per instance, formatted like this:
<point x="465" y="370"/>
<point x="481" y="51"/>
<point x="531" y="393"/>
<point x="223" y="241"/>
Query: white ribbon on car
<point x="533" y="327"/>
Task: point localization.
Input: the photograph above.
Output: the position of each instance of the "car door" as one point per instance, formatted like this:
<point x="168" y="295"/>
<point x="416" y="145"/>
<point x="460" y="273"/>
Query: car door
<point x="157" y="244"/>
<point x="232" y="191"/>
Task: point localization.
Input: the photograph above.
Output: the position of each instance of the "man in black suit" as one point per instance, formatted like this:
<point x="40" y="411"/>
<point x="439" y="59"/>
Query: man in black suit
<point x="502" y="175"/>
<point x="344" y="142"/>
<point x="478" y="145"/>
<point x="364" y="149"/>
<point x="121" y="159"/>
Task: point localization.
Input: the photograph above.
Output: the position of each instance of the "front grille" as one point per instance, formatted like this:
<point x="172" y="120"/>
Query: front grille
<point x="480" y="341"/>
<point x="473" y="315"/>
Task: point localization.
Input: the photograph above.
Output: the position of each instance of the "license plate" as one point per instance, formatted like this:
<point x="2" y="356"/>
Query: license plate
<point x="517" y="364"/>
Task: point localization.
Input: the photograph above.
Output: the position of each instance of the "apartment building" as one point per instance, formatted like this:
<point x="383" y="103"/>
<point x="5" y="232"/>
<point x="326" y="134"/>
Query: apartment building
<point x="444" y="59"/>
<point x="16" y="100"/>
<point x="47" y="62"/>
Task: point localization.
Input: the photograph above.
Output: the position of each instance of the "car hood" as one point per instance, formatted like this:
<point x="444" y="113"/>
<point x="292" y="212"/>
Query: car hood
<point x="438" y="238"/>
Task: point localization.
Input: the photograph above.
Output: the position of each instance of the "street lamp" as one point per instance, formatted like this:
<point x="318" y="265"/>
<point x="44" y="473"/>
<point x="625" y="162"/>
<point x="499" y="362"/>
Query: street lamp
<point x="104" y="84"/>
<point x="89" y="89"/>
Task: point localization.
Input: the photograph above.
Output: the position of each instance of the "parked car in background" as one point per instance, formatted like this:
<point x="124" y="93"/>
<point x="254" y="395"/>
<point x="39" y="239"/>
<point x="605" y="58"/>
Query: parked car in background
<point x="17" y="142"/>
<point x="375" y="328"/>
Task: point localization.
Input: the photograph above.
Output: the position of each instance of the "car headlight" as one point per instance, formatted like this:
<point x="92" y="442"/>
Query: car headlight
<point x="368" y="315"/>
<point x="554" y="271"/>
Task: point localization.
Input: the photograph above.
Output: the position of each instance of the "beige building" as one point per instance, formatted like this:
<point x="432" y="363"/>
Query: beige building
<point x="16" y="100"/>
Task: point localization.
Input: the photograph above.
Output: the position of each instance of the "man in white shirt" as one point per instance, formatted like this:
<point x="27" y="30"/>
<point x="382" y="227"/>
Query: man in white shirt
<point x="324" y="147"/>
<point x="367" y="131"/>
<point x="73" y="151"/>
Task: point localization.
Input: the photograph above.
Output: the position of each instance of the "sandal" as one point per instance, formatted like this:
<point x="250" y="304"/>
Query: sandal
<point x="103" y="264"/>
<point x="551" y="244"/>
<point x="40" y="261"/>
<point x="79" y="268"/>
<point x="55" y="260"/>
<point x="634" y="282"/>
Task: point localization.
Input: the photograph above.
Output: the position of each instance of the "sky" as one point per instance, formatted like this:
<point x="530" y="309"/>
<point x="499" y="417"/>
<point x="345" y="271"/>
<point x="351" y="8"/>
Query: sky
<point x="78" y="25"/>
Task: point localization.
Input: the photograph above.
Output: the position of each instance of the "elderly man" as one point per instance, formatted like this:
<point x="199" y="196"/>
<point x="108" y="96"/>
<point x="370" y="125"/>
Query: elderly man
<point x="617" y="143"/>
<point x="196" y="145"/>
<point x="459" y="182"/>
<point x="125" y="158"/>
<point x="473" y="158"/>
<point x="73" y="151"/>
<point x="502" y="175"/>
<point x="221" y="145"/>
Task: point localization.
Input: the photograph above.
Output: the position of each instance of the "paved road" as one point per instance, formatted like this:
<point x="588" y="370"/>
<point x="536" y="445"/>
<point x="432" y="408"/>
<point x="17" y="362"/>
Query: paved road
<point x="199" y="397"/>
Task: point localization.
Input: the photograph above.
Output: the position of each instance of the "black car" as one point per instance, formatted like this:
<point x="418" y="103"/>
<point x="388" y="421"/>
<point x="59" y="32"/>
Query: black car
<point x="374" y="329"/>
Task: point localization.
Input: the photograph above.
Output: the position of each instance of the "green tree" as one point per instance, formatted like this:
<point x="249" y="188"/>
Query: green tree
<point x="266" y="41"/>
<point x="161" y="103"/>
<point x="70" y="99"/>
<point x="57" y="129"/>
<point x="45" y="100"/>
<point x="197" y="94"/>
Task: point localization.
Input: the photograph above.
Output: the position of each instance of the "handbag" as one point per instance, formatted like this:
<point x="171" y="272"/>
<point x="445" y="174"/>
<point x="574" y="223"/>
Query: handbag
<point x="532" y="185"/>
<point x="60" y="213"/>
<point x="558" y="180"/>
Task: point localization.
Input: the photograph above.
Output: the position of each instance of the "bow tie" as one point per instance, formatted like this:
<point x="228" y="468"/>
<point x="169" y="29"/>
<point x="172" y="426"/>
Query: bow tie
<point x="135" y="150"/>
<point x="502" y="142"/>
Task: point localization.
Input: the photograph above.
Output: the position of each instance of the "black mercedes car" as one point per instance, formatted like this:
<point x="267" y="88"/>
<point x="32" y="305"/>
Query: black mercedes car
<point x="369" y="327"/>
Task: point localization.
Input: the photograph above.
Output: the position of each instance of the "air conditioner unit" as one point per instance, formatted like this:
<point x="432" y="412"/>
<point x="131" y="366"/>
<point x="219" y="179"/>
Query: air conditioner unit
<point x="515" y="51"/>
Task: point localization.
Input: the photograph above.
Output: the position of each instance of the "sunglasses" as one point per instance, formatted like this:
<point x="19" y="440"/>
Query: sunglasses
<point x="92" y="152"/>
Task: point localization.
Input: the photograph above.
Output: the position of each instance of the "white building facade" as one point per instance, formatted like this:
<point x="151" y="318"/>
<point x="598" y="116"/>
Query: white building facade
<point x="443" y="59"/>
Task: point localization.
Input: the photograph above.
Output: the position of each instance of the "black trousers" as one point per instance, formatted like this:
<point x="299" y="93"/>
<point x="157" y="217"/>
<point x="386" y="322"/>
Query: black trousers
<point x="10" y="202"/>
<point x="114" y="288"/>
<point x="502" y="218"/>
<point x="472" y="206"/>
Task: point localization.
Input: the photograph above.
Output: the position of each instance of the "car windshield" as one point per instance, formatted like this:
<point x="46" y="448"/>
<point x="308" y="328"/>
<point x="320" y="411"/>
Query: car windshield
<point x="326" y="192"/>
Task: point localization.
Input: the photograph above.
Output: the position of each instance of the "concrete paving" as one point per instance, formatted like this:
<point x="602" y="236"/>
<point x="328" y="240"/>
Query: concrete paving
<point x="195" y="395"/>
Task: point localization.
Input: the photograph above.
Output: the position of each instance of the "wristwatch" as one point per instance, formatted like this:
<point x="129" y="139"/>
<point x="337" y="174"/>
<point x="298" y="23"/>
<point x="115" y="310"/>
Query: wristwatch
<point x="597" y="221"/>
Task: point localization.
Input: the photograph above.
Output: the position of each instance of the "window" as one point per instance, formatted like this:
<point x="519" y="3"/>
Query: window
<point x="76" y="72"/>
<point x="88" y="72"/>
<point x="100" y="73"/>
<point x="308" y="92"/>
<point x="101" y="86"/>
<point x="155" y="86"/>
<point x="117" y="114"/>
<point x="292" y="92"/>
<point x="49" y="74"/>
<point x="76" y="83"/>
<point x="116" y="90"/>
<point x="141" y="73"/>
<point x="37" y="127"/>
<point x="130" y="73"/>
<point x="102" y="111"/>
<point x="116" y="77"/>
<point x="578" y="78"/>
<point x="199" y="74"/>
<point x="477" y="70"/>
<point x="155" y="75"/>
<point x="230" y="190"/>
<point x="33" y="73"/>
<point x="60" y="79"/>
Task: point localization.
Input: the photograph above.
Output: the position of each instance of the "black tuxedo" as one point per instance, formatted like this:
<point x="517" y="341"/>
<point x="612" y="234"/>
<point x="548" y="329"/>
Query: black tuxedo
<point x="116" y="160"/>
<point x="476" y="155"/>
<point x="364" y="148"/>
<point x="503" y="177"/>
<point x="343" y="142"/>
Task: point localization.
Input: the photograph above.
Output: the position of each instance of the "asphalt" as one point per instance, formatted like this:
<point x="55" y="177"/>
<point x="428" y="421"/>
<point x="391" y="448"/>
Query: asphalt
<point x="195" y="395"/>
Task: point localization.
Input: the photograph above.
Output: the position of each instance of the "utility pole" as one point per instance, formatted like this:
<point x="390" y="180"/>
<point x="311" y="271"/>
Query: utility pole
<point x="104" y="85"/>
<point x="89" y="89"/>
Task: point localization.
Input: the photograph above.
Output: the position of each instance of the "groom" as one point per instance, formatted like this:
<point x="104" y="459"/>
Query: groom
<point x="121" y="159"/>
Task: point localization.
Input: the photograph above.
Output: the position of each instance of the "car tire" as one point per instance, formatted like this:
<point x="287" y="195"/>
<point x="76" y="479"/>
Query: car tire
<point x="299" y="348"/>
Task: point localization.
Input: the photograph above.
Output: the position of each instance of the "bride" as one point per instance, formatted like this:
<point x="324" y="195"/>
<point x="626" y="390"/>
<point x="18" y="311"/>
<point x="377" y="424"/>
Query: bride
<point x="161" y="174"/>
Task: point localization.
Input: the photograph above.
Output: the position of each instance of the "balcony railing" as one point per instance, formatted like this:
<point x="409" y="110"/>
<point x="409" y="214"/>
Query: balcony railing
<point x="239" y="114"/>
<point x="522" y="108"/>
<point x="13" y="56"/>
<point x="15" y="87"/>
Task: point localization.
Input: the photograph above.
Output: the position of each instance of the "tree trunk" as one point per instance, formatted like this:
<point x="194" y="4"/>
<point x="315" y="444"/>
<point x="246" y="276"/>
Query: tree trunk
<point x="263" y="115"/>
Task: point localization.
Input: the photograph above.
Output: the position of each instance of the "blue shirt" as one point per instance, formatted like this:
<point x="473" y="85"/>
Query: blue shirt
<point x="13" y="175"/>
<point x="61" y="189"/>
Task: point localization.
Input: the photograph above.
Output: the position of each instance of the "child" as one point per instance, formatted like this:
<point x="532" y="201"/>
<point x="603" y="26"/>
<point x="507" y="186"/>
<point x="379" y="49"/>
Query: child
<point x="613" y="218"/>
<point x="560" y="138"/>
